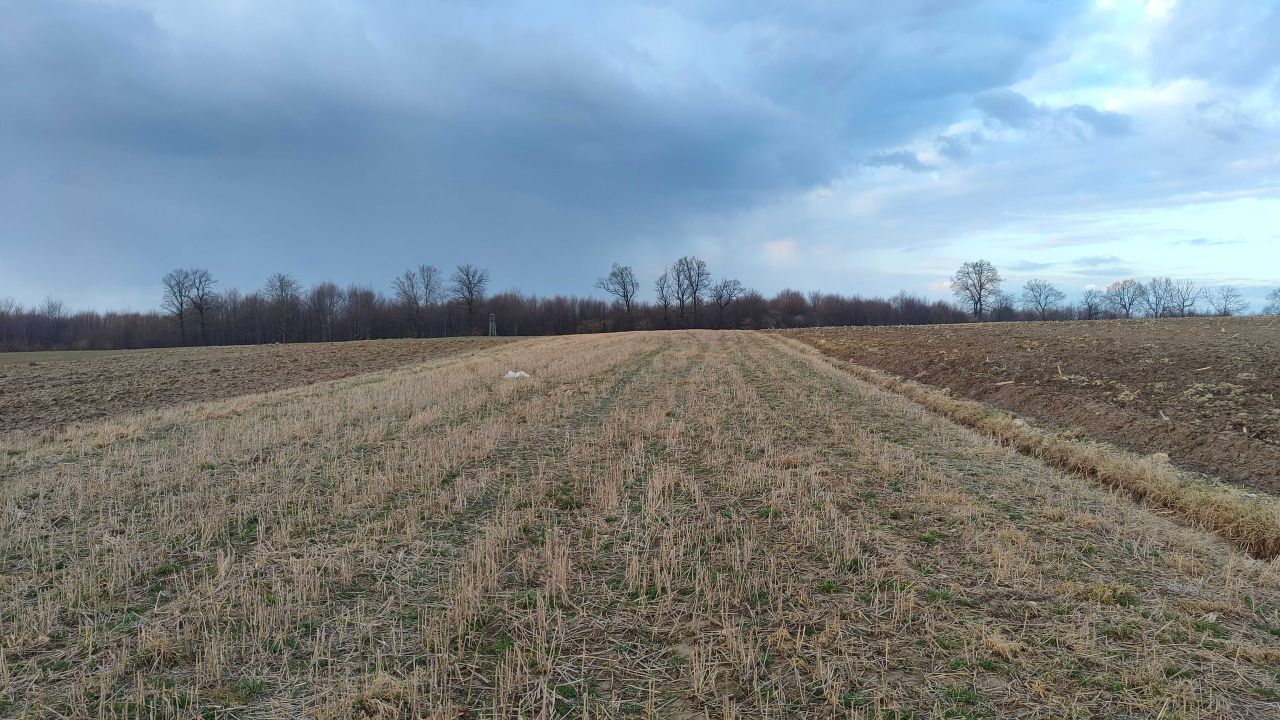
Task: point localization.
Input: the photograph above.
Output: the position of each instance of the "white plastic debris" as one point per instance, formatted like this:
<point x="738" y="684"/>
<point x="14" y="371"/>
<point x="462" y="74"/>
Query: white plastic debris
<point x="516" y="374"/>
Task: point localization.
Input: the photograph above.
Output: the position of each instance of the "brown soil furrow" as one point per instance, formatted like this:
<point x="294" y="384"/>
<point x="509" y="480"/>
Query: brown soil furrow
<point x="50" y="394"/>
<point x="1205" y="391"/>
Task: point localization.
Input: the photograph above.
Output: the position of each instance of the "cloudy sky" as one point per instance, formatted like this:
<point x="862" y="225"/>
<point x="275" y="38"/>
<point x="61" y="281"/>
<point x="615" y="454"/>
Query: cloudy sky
<point x="845" y="146"/>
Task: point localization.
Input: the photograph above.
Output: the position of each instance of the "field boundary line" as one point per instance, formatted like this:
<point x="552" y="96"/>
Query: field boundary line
<point x="1248" y="520"/>
<point x="35" y="446"/>
<point x="17" y="435"/>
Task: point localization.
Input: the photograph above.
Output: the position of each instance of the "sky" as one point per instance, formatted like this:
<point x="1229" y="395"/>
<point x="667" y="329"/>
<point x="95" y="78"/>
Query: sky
<point x="845" y="146"/>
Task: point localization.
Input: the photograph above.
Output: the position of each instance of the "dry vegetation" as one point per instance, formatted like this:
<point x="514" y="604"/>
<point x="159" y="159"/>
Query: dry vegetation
<point x="1250" y="520"/>
<point x="654" y="525"/>
<point x="40" y="391"/>
<point x="1205" y="391"/>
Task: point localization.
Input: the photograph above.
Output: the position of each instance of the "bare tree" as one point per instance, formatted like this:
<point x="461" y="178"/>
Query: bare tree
<point x="202" y="298"/>
<point x="1091" y="304"/>
<point x="680" y="291"/>
<point x="361" y="304"/>
<point x="469" y="284"/>
<point x="52" y="309"/>
<point x="1166" y="297"/>
<point x="621" y="283"/>
<point x="12" y="329"/>
<point x="415" y="291"/>
<point x="692" y="279"/>
<point x="1273" y="303"/>
<point x="431" y="283"/>
<point x="282" y="292"/>
<point x="281" y="288"/>
<point x="662" y="287"/>
<point x="791" y="308"/>
<point x="407" y="293"/>
<point x="976" y="283"/>
<point x="1227" y="301"/>
<point x="1186" y="297"/>
<point x="1123" y="297"/>
<point x="725" y="292"/>
<point x="177" y="292"/>
<point x="45" y="326"/>
<point x="1002" y="307"/>
<point x="324" y="302"/>
<point x="1041" y="297"/>
<point x="418" y="286"/>
<point x="1155" y="297"/>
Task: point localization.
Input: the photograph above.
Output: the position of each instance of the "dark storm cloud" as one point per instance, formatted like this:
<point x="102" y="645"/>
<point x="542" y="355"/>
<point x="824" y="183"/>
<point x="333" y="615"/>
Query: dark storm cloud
<point x="355" y="138"/>
<point x="548" y="120"/>
<point x="349" y="139"/>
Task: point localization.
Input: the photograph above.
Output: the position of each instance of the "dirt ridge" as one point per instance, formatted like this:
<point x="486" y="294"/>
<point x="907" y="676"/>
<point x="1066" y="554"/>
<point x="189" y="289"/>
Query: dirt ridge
<point x="1205" y="391"/>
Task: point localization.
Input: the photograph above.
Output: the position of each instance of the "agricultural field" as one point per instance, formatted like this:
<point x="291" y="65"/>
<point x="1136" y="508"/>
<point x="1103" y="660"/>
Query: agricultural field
<point x="655" y="525"/>
<point x="40" y="391"/>
<point x="1205" y="391"/>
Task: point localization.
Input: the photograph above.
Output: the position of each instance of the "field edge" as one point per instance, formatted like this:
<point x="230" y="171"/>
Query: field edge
<point x="1248" y="520"/>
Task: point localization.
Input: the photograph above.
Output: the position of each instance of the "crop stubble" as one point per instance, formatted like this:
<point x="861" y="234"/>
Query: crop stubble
<point x="653" y="525"/>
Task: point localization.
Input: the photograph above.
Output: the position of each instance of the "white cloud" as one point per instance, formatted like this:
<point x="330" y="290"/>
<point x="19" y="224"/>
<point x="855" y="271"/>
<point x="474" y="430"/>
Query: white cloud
<point x="781" y="249"/>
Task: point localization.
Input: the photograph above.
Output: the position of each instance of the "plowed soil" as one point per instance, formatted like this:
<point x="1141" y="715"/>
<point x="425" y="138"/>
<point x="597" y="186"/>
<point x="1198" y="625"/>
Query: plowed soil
<point x="1206" y="391"/>
<point x="45" y="394"/>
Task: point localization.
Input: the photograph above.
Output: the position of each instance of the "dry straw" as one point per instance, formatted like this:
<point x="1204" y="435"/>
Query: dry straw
<point x="1249" y="520"/>
<point x="653" y="525"/>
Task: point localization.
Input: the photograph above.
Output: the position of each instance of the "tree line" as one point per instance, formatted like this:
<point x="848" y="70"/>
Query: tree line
<point x="425" y="302"/>
<point x="978" y="287"/>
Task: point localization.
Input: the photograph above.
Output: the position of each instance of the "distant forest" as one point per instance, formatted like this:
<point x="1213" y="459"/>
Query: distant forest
<point x="423" y="302"/>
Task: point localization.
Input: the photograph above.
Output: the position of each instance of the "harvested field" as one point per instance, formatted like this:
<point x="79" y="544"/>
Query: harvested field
<point x="657" y="525"/>
<point x="47" y="390"/>
<point x="1205" y="391"/>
